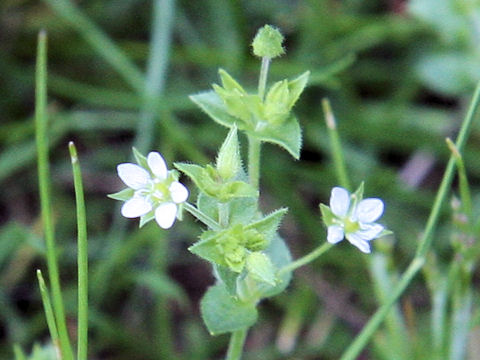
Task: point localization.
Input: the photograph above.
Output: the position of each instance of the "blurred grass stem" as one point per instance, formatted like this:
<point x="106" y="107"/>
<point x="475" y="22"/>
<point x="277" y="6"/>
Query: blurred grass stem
<point x="336" y="148"/>
<point x="44" y="188"/>
<point x="82" y="257"/>
<point x="362" y="339"/>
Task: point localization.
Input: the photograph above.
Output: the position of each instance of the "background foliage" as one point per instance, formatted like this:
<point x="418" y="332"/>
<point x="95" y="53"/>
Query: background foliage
<point x="398" y="74"/>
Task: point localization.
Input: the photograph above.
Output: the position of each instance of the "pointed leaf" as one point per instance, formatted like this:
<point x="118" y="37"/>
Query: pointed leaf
<point x="268" y="225"/>
<point x="224" y="313"/>
<point x="288" y="135"/>
<point x="207" y="248"/>
<point x="213" y="105"/>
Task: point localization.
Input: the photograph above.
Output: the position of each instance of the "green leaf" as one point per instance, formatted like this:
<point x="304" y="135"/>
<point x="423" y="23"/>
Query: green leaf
<point x="208" y="205"/>
<point x="212" y="104"/>
<point x="327" y="215"/>
<point x="261" y="268"/>
<point x="268" y="225"/>
<point x="280" y="256"/>
<point x="223" y="313"/>
<point x="243" y="210"/>
<point x="122" y="195"/>
<point x="287" y="135"/>
<point x="199" y="176"/>
<point x="141" y="160"/>
<point x="207" y="248"/>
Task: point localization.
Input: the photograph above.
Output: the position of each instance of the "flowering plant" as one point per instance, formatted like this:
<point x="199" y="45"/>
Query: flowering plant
<point x="249" y="258"/>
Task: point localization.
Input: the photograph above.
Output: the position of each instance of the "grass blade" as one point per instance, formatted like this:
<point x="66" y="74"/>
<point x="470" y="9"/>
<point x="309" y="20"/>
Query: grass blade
<point x="82" y="346"/>
<point x="44" y="188"/>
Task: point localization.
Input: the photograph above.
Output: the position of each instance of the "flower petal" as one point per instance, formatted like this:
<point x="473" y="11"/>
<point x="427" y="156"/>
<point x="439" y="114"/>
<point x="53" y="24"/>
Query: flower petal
<point x="157" y="165"/>
<point x="369" y="231"/>
<point x="369" y="210"/>
<point x="166" y="214"/>
<point x="357" y="241"/>
<point x="178" y="192"/>
<point x="133" y="176"/>
<point x="135" y="207"/>
<point x="334" y="234"/>
<point x="339" y="201"/>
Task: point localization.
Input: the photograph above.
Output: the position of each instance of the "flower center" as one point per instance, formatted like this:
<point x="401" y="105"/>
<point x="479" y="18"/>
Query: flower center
<point x="351" y="226"/>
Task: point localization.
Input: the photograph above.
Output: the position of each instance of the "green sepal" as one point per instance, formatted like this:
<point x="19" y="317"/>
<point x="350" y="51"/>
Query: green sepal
<point x="229" y="83"/>
<point x="287" y="135"/>
<point x="221" y="248"/>
<point x="146" y="218"/>
<point x="228" y="277"/>
<point x="268" y="225"/>
<point x="278" y="252"/>
<point x="123" y="195"/>
<point x="223" y="313"/>
<point x="199" y="176"/>
<point x="296" y="87"/>
<point x="141" y="159"/>
<point x="261" y="268"/>
<point x="228" y="160"/>
<point x="384" y="232"/>
<point x="357" y="196"/>
<point x="235" y="189"/>
<point x="327" y="215"/>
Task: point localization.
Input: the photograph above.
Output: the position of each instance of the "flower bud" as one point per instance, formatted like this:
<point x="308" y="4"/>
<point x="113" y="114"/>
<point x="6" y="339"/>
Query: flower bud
<point x="228" y="160"/>
<point x="268" y="42"/>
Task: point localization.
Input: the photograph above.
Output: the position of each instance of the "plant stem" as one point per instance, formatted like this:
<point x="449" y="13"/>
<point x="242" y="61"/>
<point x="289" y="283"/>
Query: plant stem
<point x="306" y="259"/>
<point x="362" y="339"/>
<point x="262" y="79"/>
<point x="82" y="258"/>
<point x="44" y="188"/>
<point x="207" y="220"/>
<point x="336" y="148"/>
<point x="254" y="147"/>
<point x="235" y="346"/>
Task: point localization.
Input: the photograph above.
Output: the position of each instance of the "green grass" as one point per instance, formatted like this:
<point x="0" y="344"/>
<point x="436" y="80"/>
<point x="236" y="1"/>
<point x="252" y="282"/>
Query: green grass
<point x="119" y="75"/>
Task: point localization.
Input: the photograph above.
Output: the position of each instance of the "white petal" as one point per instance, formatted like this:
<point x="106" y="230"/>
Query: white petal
<point x="157" y="165"/>
<point x="178" y="192"/>
<point x="165" y="215"/>
<point x="136" y="207"/>
<point x="369" y="231"/>
<point x="339" y="201"/>
<point x="369" y="210"/>
<point x="133" y="176"/>
<point x="334" y="234"/>
<point x="355" y="240"/>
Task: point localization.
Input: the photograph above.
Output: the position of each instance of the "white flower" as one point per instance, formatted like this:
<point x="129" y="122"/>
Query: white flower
<point x="155" y="190"/>
<point x="354" y="220"/>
